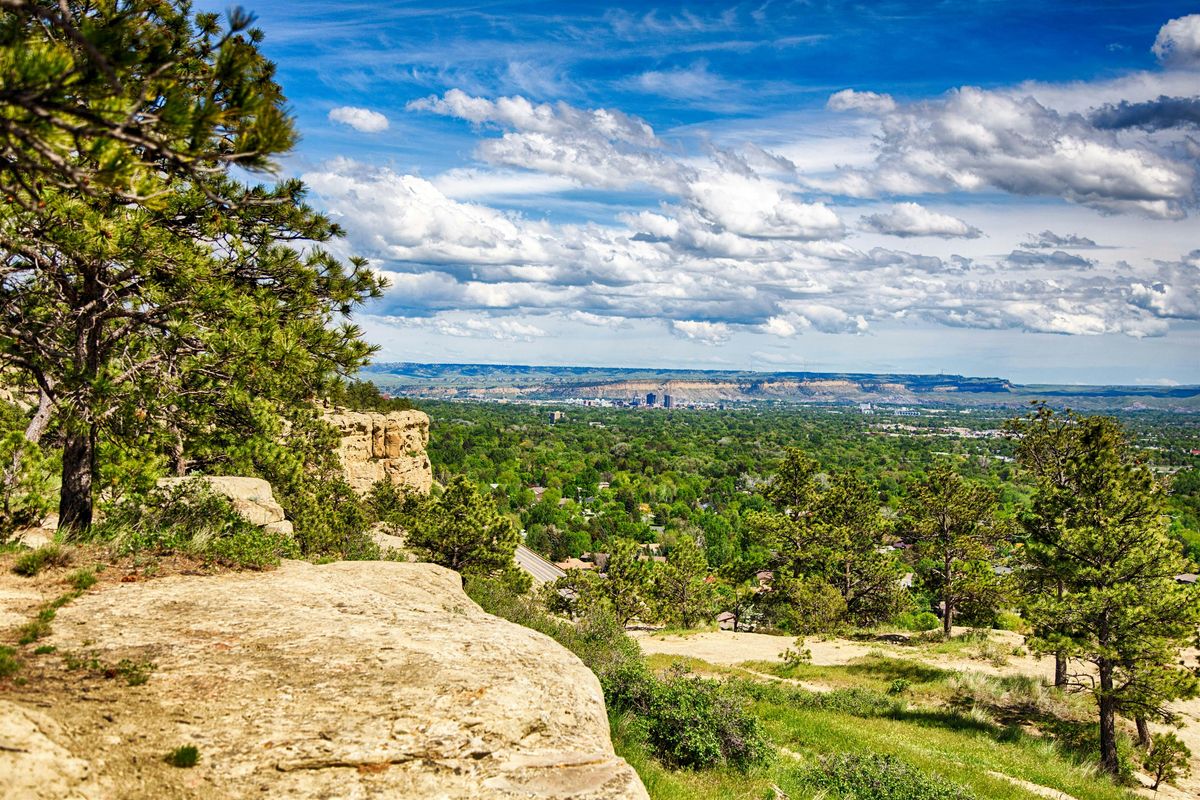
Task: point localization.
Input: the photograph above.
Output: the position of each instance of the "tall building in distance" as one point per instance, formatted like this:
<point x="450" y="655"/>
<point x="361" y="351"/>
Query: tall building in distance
<point x="666" y="401"/>
<point x="651" y="398"/>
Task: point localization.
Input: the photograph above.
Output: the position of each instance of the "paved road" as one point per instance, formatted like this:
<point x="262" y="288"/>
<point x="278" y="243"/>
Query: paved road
<point x="543" y="571"/>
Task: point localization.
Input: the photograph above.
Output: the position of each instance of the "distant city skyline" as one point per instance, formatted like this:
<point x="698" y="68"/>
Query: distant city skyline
<point x="1000" y="190"/>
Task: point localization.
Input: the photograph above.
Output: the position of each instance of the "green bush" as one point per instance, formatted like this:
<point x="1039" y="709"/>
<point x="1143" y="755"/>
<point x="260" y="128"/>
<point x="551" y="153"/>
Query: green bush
<point x="1008" y="621"/>
<point x="82" y="580"/>
<point x="191" y="518"/>
<point x="693" y="722"/>
<point x="879" y="777"/>
<point x="184" y="757"/>
<point x="33" y="562"/>
<point x="917" y="621"/>
<point x="1168" y="760"/>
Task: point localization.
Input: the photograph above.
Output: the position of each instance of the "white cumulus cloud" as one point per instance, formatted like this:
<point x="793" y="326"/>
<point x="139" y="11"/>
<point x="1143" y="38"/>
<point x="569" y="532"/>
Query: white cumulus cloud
<point x="913" y="219"/>
<point x="1178" y="42"/>
<point x="361" y="119"/>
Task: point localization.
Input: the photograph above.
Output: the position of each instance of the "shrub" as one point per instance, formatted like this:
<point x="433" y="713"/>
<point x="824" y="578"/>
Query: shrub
<point x="184" y="757"/>
<point x="693" y="722"/>
<point x="33" y="562"/>
<point x="899" y="686"/>
<point x="1168" y="760"/>
<point x="880" y="777"/>
<point x="808" y="605"/>
<point x="797" y="655"/>
<point x="191" y="518"/>
<point x="925" y="621"/>
<point x="1008" y="621"/>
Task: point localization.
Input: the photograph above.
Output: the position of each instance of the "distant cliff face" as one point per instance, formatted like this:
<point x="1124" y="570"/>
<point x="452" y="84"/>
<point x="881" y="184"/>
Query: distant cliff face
<point x="377" y="446"/>
<point x="354" y="679"/>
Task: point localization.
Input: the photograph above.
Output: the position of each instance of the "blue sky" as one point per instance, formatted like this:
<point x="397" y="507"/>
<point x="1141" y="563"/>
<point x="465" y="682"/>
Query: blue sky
<point x="991" y="188"/>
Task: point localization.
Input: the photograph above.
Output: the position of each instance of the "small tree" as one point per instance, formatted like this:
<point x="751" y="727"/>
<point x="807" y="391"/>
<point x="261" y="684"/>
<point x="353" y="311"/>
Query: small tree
<point x="827" y="527"/>
<point x="1169" y="759"/>
<point x="463" y="531"/>
<point x="682" y="593"/>
<point x="954" y="529"/>
<point x="627" y="582"/>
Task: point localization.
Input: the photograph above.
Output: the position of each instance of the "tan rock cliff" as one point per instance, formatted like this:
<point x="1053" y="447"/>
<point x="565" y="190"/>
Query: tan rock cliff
<point x="345" y="680"/>
<point x="376" y="446"/>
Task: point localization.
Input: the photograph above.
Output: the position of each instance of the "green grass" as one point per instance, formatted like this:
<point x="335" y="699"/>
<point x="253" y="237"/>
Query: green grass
<point x="9" y="663"/>
<point x="35" y="561"/>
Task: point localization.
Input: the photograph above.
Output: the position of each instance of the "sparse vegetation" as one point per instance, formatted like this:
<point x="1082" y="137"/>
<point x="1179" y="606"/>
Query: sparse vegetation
<point x="191" y="518"/>
<point x="9" y="663"/>
<point x="184" y="756"/>
<point x="45" y="557"/>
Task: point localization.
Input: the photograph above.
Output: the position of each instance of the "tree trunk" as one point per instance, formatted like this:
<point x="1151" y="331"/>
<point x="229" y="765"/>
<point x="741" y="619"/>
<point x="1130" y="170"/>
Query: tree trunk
<point x="1143" y="731"/>
<point x="1060" y="657"/>
<point x="947" y="604"/>
<point x="1108" y="720"/>
<point x="78" y="469"/>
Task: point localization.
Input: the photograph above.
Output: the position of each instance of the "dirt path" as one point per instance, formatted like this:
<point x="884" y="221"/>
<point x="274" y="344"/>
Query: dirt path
<point x="730" y="649"/>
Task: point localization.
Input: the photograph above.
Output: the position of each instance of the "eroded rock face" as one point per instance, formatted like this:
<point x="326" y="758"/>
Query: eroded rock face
<point x="377" y="446"/>
<point x="347" y="680"/>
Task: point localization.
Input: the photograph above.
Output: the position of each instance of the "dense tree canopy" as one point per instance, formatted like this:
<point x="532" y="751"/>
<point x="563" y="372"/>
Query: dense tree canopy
<point x="143" y="289"/>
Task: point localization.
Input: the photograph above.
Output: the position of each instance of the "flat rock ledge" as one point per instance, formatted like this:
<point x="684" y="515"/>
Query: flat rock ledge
<point x="344" y="680"/>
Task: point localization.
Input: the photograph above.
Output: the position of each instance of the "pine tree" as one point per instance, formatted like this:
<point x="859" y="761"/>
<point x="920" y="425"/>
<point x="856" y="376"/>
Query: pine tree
<point x="463" y="531"/>
<point x="1098" y="529"/>
<point x="681" y="589"/>
<point x="627" y="581"/>
<point x="827" y="527"/>
<point x="140" y="288"/>
<point x="954" y="529"/>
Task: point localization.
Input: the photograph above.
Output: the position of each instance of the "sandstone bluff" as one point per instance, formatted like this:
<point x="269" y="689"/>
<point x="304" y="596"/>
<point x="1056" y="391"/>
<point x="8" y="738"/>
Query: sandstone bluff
<point x="375" y="446"/>
<point x="345" y="680"/>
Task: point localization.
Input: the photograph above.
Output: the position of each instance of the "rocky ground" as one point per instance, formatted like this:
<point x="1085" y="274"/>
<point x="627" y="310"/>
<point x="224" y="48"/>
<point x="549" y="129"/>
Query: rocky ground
<point x="345" y="680"/>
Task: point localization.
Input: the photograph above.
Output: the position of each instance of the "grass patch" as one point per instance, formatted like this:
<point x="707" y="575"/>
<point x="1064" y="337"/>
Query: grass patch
<point x="9" y="663"/>
<point x="37" y="628"/>
<point x="194" y="520"/>
<point x="946" y="746"/>
<point x="45" y="557"/>
<point x="135" y="673"/>
<point x="184" y="757"/>
<point x="82" y="579"/>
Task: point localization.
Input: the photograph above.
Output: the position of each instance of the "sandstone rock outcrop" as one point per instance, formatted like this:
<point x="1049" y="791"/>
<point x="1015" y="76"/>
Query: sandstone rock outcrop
<point x="376" y="446"/>
<point x="251" y="497"/>
<point x="344" y="680"/>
